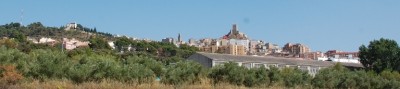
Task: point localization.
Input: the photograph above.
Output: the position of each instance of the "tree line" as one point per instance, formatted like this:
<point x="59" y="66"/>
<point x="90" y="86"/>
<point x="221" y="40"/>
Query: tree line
<point x="46" y="64"/>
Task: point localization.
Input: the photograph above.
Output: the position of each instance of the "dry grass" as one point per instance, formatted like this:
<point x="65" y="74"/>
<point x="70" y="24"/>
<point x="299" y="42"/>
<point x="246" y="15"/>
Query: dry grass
<point x="65" y="84"/>
<point x="109" y="84"/>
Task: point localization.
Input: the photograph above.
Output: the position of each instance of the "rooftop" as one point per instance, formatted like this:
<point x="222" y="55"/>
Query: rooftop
<point x="270" y="59"/>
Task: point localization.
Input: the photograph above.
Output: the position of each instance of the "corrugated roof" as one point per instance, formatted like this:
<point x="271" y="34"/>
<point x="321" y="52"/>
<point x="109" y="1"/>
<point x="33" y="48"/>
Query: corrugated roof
<point x="270" y="59"/>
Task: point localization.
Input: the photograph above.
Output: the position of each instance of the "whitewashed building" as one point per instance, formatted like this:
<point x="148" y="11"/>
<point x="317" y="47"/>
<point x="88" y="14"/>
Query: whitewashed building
<point x="311" y="66"/>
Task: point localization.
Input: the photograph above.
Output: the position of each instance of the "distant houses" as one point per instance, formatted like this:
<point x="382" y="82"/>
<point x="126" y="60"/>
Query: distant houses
<point x="238" y="43"/>
<point x="73" y="43"/>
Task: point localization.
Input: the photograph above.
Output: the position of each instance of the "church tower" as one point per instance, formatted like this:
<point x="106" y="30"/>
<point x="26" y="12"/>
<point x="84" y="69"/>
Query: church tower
<point x="179" y="38"/>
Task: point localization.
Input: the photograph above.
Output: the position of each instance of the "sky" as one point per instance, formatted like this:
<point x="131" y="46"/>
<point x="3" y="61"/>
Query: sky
<point x="321" y="24"/>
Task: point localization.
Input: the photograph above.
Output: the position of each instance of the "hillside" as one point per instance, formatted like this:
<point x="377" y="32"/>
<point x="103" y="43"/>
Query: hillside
<point x="26" y="38"/>
<point x="37" y="30"/>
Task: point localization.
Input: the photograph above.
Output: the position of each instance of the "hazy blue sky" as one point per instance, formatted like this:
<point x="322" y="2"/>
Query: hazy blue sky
<point x="320" y="24"/>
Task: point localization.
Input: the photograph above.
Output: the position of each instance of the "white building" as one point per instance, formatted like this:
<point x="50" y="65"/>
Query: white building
<point x="273" y="48"/>
<point x="73" y="43"/>
<point x="345" y="60"/>
<point x="71" y="26"/>
<point x="348" y="59"/>
<point x="245" y="43"/>
<point x="111" y="44"/>
<point x="311" y="66"/>
<point x="42" y="40"/>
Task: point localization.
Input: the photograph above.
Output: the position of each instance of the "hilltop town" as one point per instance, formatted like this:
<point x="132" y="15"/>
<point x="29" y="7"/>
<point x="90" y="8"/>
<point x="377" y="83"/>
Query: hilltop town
<point x="233" y="43"/>
<point x="238" y="43"/>
<point x="74" y="35"/>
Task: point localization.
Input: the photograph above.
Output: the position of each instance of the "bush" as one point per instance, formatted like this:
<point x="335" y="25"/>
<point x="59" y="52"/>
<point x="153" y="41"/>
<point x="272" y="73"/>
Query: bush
<point x="330" y="77"/>
<point x="228" y="72"/>
<point x="390" y="75"/>
<point x="99" y="67"/>
<point x="9" y="75"/>
<point x="257" y="77"/>
<point x="339" y="77"/>
<point x="274" y="76"/>
<point x="135" y="72"/>
<point x="184" y="72"/>
<point x="48" y="64"/>
<point x="293" y="77"/>
<point x="155" y="66"/>
<point x="9" y="43"/>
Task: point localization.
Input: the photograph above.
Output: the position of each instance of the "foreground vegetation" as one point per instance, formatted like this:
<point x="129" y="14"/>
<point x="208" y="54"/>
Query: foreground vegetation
<point x="163" y="65"/>
<point x="43" y="66"/>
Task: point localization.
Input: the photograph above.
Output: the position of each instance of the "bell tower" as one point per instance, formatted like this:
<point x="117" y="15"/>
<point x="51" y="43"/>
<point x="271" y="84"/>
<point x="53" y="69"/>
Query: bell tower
<point x="179" y="38"/>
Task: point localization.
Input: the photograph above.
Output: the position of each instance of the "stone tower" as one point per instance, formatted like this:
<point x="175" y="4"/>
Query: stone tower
<point x="234" y="29"/>
<point x="179" y="38"/>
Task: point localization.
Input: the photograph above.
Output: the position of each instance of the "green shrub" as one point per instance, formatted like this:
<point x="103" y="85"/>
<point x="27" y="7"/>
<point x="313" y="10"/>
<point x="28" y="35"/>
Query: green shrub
<point x="228" y="72"/>
<point x="293" y="77"/>
<point x="330" y="77"/>
<point x="48" y="64"/>
<point x="155" y="66"/>
<point x="257" y="77"/>
<point x="184" y="72"/>
<point x="274" y="75"/>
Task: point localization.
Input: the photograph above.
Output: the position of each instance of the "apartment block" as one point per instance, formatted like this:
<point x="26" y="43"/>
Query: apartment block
<point x="236" y="50"/>
<point x="296" y="49"/>
<point x="312" y="55"/>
